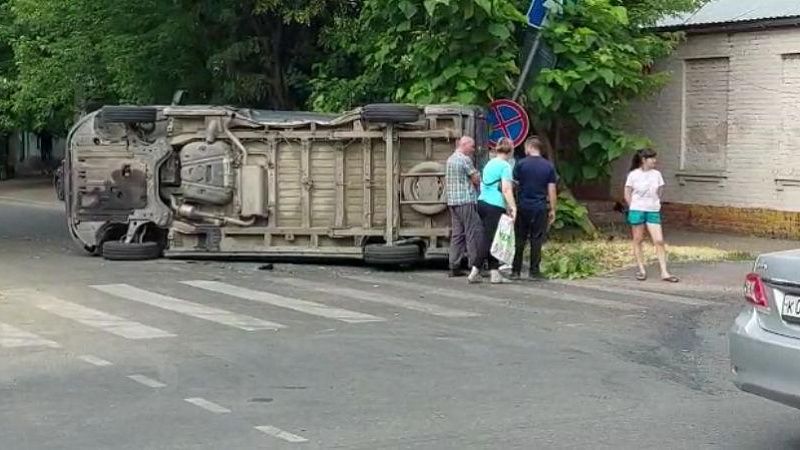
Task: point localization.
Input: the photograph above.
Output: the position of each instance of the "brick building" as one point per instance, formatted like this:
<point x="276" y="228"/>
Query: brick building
<point x="727" y="125"/>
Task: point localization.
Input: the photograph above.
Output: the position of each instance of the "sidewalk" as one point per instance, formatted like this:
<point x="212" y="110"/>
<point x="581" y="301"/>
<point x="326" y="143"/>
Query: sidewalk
<point x="698" y="280"/>
<point x="38" y="192"/>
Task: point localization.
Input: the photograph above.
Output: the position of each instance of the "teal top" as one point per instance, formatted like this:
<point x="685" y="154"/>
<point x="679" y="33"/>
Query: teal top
<point x="496" y="171"/>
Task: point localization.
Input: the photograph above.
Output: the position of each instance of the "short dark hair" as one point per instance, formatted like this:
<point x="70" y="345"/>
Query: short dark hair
<point x="533" y="142"/>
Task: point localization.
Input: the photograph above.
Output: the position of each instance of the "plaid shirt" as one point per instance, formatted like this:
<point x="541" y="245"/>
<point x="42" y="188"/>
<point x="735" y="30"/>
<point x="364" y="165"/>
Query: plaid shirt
<point x="460" y="190"/>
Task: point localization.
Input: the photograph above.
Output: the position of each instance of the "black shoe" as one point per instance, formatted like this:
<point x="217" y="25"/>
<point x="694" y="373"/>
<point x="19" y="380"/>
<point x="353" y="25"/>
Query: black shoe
<point x="536" y="277"/>
<point x="457" y="273"/>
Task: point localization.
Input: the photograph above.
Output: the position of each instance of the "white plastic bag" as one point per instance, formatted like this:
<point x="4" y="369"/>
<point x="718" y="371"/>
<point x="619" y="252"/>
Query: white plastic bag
<point x="504" y="245"/>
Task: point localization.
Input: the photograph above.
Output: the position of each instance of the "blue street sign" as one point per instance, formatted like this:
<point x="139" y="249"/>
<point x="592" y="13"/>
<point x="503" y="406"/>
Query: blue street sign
<point x="507" y="119"/>
<point x="537" y="13"/>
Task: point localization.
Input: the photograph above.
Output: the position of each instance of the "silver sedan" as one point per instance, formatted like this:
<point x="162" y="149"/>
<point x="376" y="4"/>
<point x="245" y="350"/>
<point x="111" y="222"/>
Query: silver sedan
<point x="765" y="339"/>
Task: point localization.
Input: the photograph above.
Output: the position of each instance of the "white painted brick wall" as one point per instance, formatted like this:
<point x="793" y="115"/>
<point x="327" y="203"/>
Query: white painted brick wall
<point x="763" y="133"/>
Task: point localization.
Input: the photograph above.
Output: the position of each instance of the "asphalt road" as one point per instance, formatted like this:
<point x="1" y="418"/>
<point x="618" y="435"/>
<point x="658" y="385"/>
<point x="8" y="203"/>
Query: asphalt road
<point x="180" y="355"/>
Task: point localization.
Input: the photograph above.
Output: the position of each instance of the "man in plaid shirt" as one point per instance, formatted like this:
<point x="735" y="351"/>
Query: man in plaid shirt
<point x="462" y="180"/>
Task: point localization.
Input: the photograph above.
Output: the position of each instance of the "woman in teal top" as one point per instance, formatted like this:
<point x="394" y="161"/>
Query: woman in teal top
<point x="496" y="198"/>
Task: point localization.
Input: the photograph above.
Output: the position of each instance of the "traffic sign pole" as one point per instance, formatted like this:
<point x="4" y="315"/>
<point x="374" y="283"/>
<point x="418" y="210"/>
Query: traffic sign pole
<point x="528" y="64"/>
<point x="537" y="18"/>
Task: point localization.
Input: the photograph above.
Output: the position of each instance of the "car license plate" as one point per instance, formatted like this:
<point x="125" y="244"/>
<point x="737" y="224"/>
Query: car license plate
<point x="791" y="308"/>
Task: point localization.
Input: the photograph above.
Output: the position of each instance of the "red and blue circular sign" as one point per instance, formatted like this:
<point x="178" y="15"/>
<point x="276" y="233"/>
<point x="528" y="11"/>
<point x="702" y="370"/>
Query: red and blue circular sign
<point x="507" y="119"/>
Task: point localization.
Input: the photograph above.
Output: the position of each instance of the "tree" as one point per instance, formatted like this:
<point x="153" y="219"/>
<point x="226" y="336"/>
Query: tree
<point x="256" y="53"/>
<point x="603" y="64"/>
<point x="421" y="52"/>
<point x="8" y="69"/>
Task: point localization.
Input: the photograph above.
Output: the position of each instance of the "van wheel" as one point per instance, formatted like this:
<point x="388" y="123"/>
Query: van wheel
<point x="393" y="255"/>
<point x="390" y="113"/>
<point x="128" y="114"/>
<point x="135" y="251"/>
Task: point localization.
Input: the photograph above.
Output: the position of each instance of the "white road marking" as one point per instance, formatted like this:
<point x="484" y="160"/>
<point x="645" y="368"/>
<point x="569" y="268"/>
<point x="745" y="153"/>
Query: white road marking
<point x="94" y="360"/>
<point x="377" y="297"/>
<point x="88" y="316"/>
<point x="196" y="310"/>
<point x="647" y="295"/>
<point x="280" y="434"/>
<point x="13" y="337"/>
<point x="303" y="306"/>
<point x="529" y="290"/>
<point x="147" y="381"/>
<point x="208" y="406"/>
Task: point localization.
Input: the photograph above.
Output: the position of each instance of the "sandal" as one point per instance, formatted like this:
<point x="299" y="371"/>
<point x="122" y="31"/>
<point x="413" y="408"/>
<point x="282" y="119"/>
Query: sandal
<point x="671" y="279"/>
<point x="641" y="276"/>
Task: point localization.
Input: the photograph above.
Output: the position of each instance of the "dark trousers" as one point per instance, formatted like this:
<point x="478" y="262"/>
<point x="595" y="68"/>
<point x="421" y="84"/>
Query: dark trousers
<point x="490" y="216"/>
<point x="467" y="235"/>
<point x="531" y="227"/>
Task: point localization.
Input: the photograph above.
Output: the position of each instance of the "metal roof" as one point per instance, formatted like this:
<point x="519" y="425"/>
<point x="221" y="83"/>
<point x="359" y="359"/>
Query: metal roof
<point x="734" y="11"/>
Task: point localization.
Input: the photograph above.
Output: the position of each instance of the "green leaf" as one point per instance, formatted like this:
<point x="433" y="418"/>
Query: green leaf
<point x="590" y="172"/>
<point x="450" y="72"/>
<point x="486" y="5"/>
<point x="470" y="72"/>
<point x="620" y="14"/>
<point x="408" y="8"/>
<point x="589" y="137"/>
<point x="430" y="6"/>
<point x="608" y="76"/>
<point x="499" y="31"/>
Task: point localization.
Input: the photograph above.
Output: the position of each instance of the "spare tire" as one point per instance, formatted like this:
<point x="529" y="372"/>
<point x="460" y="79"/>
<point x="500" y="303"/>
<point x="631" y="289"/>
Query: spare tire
<point x="390" y="113"/>
<point x="135" y="251"/>
<point x="128" y="114"/>
<point x="412" y="185"/>
<point x="393" y="255"/>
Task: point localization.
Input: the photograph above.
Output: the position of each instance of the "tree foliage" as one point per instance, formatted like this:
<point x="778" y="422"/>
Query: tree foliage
<point x="603" y="63"/>
<point x="427" y="51"/>
<point x="69" y="53"/>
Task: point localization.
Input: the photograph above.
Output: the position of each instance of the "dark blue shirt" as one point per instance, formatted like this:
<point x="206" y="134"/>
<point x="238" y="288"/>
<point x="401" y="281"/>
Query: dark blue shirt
<point x="533" y="174"/>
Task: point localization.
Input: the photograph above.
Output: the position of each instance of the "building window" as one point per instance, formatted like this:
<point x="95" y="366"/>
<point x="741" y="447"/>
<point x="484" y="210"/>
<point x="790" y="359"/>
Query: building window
<point x="790" y="116"/>
<point x="705" y="131"/>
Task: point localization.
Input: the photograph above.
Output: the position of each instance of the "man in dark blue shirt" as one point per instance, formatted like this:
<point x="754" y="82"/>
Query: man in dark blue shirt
<point x="536" y="199"/>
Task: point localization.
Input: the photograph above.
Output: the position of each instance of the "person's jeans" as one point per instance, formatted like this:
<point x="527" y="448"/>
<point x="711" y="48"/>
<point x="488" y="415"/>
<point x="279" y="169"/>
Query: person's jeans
<point x="490" y="216"/>
<point x="530" y="227"/>
<point x="467" y="234"/>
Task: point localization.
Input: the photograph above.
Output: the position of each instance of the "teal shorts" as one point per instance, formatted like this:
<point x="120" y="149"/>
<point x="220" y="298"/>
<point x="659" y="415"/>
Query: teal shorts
<point x="643" y="217"/>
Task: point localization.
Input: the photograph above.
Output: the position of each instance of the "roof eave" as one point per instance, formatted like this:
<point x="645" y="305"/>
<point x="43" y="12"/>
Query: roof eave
<point x="732" y="27"/>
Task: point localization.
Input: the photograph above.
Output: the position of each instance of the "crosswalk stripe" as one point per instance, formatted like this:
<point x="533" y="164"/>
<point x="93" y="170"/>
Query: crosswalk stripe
<point x="147" y="381"/>
<point x="303" y="306"/>
<point x="13" y="337"/>
<point x="88" y="316"/>
<point x="377" y="297"/>
<point x="208" y="405"/>
<point x="557" y="296"/>
<point x="280" y="434"/>
<point x="642" y="294"/>
<point x="95" y="361"/>
<point x="197" y="310"/>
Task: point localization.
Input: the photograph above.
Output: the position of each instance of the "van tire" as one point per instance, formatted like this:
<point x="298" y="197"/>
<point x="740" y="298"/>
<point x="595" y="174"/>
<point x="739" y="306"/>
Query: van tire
<point x="407" y="188"/>
<point x="393" y="255"/>
<point x="390" y="113"/>
<point x="128" y="114"/>
<point x="136" y="251"/>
